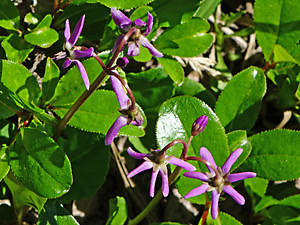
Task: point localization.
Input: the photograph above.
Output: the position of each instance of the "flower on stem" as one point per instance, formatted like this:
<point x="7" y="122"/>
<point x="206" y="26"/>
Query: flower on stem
<point x="130" y="113"/>
<point x="199" y="125"/>
<point x="157" y="160"/>
<point x="218" y="179"/>
<point x="73" y="53"/>
<point x="138" y="37"/>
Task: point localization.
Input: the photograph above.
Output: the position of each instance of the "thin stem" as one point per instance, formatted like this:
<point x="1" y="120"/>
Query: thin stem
<point x="62" y="124"/>
<point x="99" y="61"/>
<point x="196" y="158"/>
<point x="185" y="147"/>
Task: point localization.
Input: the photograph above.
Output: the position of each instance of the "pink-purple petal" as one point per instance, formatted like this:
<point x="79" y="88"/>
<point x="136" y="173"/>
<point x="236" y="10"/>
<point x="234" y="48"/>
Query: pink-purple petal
<point x="149" y="24"/>
<point x="83" y="73"/>
<point x="152" y="183"/>
<point x="133" y="48"/>
<point x="197" y="175"/>
<point x="153" y="51"/>
<point x="205" y="154"/>
<point x="137" y="155"/>
<point x="120" y="122"/>
<point x="119" y="90"/>
<point x="214" y="204"/>
<point x="139" y="23"/>
<point x="86" y="53"/>
<point x="76" y="33"/>
<point x="231" y="159"/>
<point x="179" y="162"/>
<point x="67" y="63"/>
<point x="165" y="183"/>
<point x="144" y="166"/>
<point x="234" y="194"/>
<point x="67" y="32"/>
<point x="120" y="19"/>
<point x="197" y="191"/>
<point x="240" y="176"/>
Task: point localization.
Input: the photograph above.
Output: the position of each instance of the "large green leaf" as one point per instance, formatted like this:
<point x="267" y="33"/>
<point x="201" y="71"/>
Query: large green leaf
<point x="276" y="22"/>
<point x="239" y="103"/>
<point x="9" y="15"/>
<point x="43" y="35"/>
<point x="292" y="201"/>
<point x="7" y="105"/>
<point x="117" y="211"/>
<point x="186" y="40"/>
<point x="98" y="113"/>
<point x="124" y="4"/>
<point x="176" y="117"/>
<point x="40" y="164"/>
<point x="274" y="155"/>
<point x="90" y="163"/>
<point x="173" y="68"/>
<point x="16" y="48"/>
<point x="4" y="167"/>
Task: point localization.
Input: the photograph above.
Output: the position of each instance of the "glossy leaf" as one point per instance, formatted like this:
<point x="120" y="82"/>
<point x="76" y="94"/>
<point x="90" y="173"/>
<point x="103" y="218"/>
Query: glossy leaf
<point x="9" y="15"/>
<point x="16" y="48"/>
<point x="117" y="211"/>
<point x="173" y="68"/>
<point x="186" y="40"/>
<point x="4" y="167"/>
<point x="124" y="4"/>
<point x="273" y="155"/>
<point x="90" y="163"/>
<point x="99" y="112"/>
<point x="239" y="103"/>
<point x="280" y="26"/>
<point x="176" y="117"/>
<point x="43" y="35"/>
<point x="40" y="164"/>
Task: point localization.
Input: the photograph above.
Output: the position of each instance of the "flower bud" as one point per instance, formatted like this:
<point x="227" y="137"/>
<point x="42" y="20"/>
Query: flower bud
<point x="122" y="62"/>
<point x="199" y="125"/>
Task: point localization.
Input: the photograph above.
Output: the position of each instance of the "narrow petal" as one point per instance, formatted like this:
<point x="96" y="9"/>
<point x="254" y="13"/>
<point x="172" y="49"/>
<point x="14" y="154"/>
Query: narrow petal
<point x="144" y="166"/>
<point x="76" y="54"/>
<point x="231" y="159"/>
<point x="197" y="191"/>
<point x="137" y="155"/>
<point x="197" y="175"/>
<point x="67" y="63"/>
<point x="234" y="194"/>
<point x="133" y="48"/>
<point x="83" y="73"/>
<point x="153" y="51"/>
<point x="214" y="204"/>
<point x="149" y="24"/>
<point x="76" y="33"/>
<point x="139" y="23"/>
<point x="120" y="19"/>
<point x="165" y="183"/>
<point x="179" y="162"/>
<point x="205" y="154"/>
<point x="60" y="55"/>
<point x="240" y="176"/>
<point x="67" y="30"/>
<point x="152" y="183"/>
<point x="120" y="93"/>
<point x="114" y="129"/>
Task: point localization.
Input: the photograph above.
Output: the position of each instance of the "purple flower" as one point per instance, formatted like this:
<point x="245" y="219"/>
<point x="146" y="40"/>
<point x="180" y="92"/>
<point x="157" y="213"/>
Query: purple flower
<point x="128" y="116"/>
<point x="157" y="160"/>
<point x="139" y="37"/>
<point x="73" y="53"/>
<point x="199" y="125"/>
<point x="218" y="180"/>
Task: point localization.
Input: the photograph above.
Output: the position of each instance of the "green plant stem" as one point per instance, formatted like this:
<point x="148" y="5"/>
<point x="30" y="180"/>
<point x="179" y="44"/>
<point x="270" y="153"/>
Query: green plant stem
<point x="62" y="124"/>
<point x="156" y="199"/>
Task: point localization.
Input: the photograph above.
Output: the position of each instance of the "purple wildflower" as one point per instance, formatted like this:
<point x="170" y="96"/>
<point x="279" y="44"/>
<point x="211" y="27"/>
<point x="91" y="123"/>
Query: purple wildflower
<point x="128" y="116"/>
<point x="139" y="37"/>
<point x="157" y="160"/>
<point x="218" y="180"/>
<point x="73" y="53"/>
<point x="199" y="125"/>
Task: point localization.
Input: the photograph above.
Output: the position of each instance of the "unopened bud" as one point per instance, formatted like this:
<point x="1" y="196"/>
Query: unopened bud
<point x="122" y="62"/>
<point x="199" y="125"/>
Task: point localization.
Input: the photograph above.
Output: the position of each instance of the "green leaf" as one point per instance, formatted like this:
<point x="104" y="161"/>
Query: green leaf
<point x="151" y="88"/>
<point x="176" y="117"/>
<point x="56" y="214"/>
<point x="228" y="220"/>
<point x="239" y="103"/>
<point x="16" y="48"/>
<point x="173" y="12"/>
<point x="9" y="15"/>
<point x="166" y="223"/>
<point x="188" y="39"/>
<point x="40" y="164"/>
<point x="7" y="132"/>
<point x="50" y="80"/>
<point x="124" y="4"/>
<point x="43" y="35"/>
<point x="117" y="211"/>
<point x="281" y="55"/>
<point x="256" y="185"/>
<point x="286" y="96"/>
<point x="206" y="8"/>
<point x="90" y="163"/>
<point x="280" y="26"/>
<point x="292" y="201"/>
<point x="144" y="55"/>
<point x="283" y="214"/>
<point x="98" y="113"/>
<point x="173" y="68"/>
<point x="4" y="167"/>
<point x="273" y="155"/>
<point x="7" y="106"/>
<point x="138" y="145"/>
